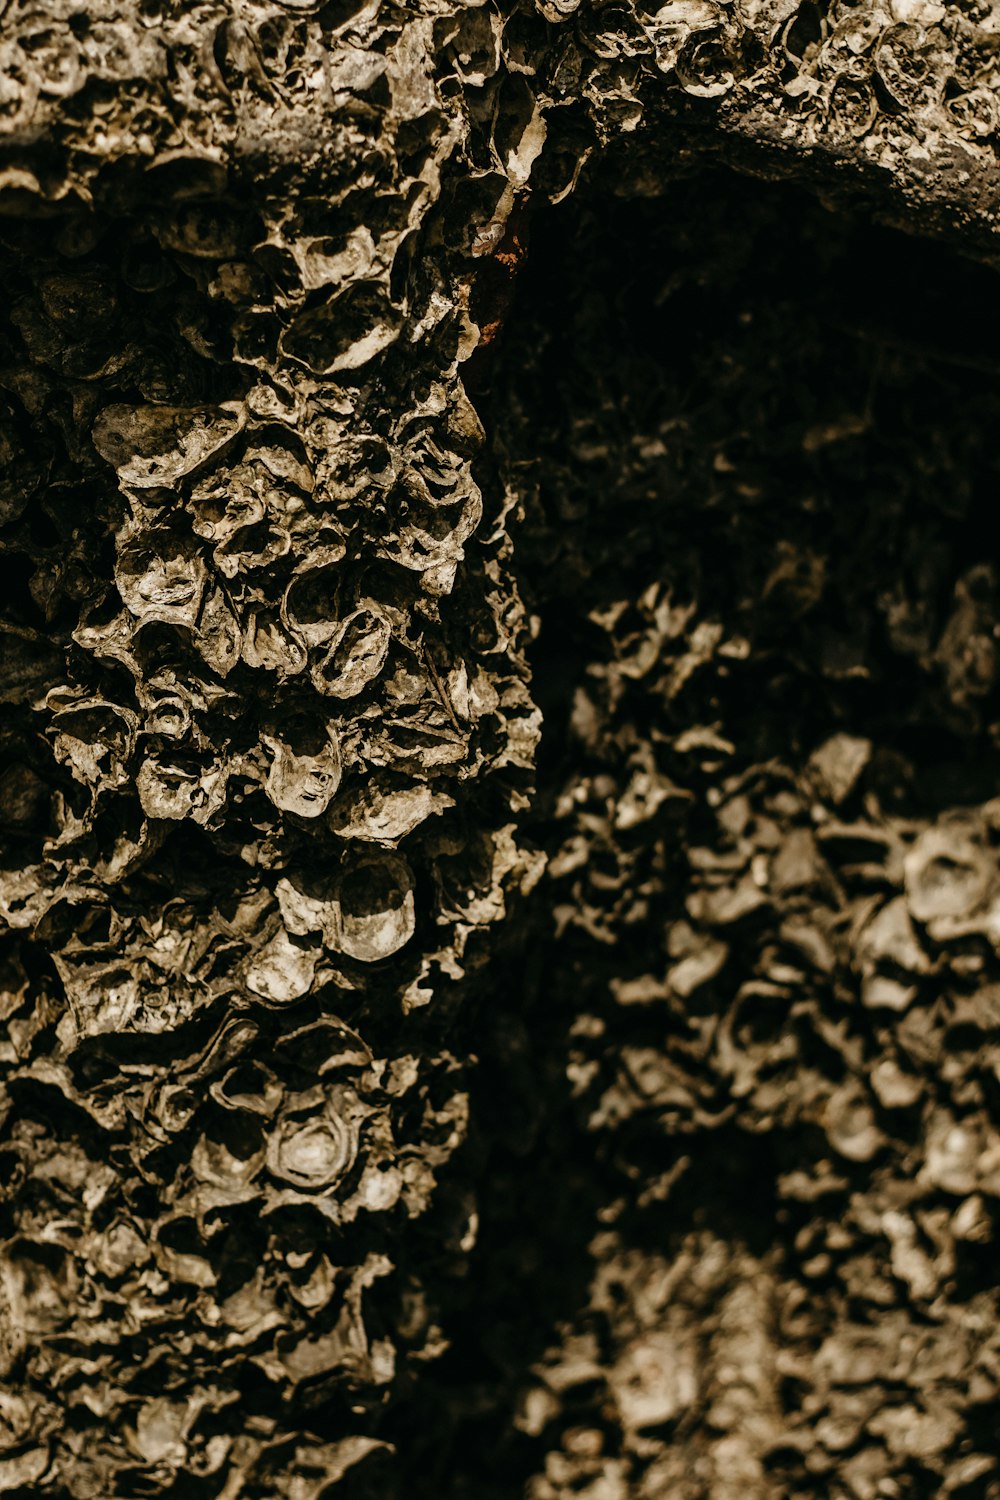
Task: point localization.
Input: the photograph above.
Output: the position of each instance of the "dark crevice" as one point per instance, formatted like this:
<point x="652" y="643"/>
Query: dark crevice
<point x="779" y="417"/>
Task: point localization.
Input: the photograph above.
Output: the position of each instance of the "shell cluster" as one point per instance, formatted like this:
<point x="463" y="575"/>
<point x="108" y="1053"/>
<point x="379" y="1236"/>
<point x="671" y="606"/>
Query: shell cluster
<point x="265" y="731"/>
<point x="268" y="737"/>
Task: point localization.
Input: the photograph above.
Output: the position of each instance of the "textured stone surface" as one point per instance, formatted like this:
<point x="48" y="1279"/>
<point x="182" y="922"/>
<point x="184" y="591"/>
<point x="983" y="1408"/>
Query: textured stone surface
<point x="270" y="734"/>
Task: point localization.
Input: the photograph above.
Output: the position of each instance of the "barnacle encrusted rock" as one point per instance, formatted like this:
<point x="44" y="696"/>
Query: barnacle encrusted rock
<point x="269" y="738"/>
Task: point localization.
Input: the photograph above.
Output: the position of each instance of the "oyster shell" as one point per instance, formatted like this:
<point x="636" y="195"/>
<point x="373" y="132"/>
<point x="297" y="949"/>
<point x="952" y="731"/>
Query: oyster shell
<point x="312" y="1147"/>
<point x="157" y="445"/>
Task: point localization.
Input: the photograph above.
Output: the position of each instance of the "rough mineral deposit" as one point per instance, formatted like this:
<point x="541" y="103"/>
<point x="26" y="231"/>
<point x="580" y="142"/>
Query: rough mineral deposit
<point x="499" y="750"/>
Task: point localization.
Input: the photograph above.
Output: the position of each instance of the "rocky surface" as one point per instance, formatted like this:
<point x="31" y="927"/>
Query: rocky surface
<point x="367" y="1120"/>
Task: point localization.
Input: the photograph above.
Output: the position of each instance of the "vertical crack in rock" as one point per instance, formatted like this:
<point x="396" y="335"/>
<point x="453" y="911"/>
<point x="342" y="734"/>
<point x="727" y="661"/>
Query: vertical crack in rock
<point x="761" y="979"/>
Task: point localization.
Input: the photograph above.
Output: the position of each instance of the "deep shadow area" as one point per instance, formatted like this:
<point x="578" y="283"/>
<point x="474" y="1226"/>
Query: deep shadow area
<point x="753" y="443"/>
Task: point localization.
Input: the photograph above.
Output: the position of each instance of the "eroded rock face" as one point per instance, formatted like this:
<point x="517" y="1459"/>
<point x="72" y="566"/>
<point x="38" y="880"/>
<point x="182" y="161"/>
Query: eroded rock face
<point x="269" y="739"/>
<point x="252" y="676"/>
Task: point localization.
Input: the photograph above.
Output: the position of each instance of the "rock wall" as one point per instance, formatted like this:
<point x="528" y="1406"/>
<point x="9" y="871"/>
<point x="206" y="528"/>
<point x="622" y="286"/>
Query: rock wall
<point x="270" y="738"/>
